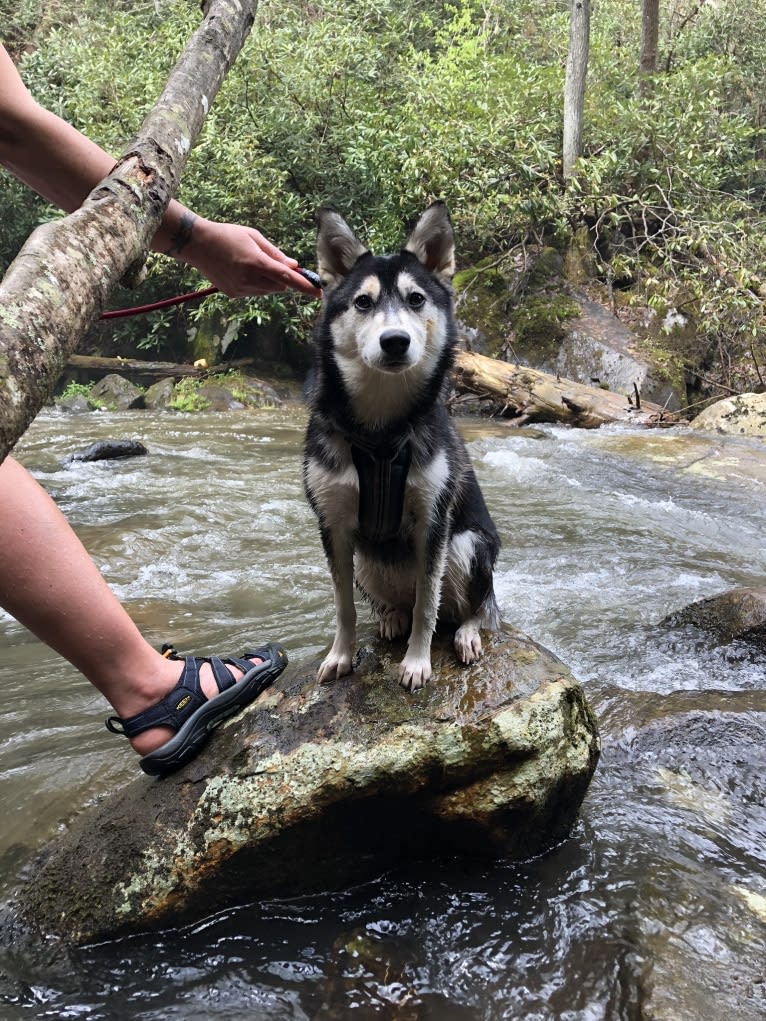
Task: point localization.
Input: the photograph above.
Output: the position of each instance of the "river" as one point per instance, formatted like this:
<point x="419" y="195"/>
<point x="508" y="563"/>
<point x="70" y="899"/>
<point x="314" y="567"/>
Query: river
<point x="655" y="907"/>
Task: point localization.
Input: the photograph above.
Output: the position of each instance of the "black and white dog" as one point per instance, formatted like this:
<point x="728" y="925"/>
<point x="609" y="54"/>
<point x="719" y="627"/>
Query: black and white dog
<point x="400" y="511"/>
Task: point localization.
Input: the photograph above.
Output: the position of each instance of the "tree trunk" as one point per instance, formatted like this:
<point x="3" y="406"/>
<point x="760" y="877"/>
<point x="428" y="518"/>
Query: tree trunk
<point x="62" y="277"/>
<point x="532" y="396"/>
<point x="574" y="86"/>
<point x="650" y="31"/>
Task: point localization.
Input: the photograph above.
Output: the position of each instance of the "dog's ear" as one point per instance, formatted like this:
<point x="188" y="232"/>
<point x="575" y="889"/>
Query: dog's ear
<point x="337" y="248"/>
<point x="433" y="243"/>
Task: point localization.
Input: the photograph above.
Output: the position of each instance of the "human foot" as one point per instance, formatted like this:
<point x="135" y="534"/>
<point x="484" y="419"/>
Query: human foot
<point x="172" y="730"/>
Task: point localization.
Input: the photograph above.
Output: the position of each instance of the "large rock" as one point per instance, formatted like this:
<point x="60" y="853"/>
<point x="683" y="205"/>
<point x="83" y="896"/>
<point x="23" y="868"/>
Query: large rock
<point x="597" y="347"/>
<point x="315" y="787"/>
<point x="115" y="393"/>
<point x="159" y="394"/>
<point x="744" y="415"/>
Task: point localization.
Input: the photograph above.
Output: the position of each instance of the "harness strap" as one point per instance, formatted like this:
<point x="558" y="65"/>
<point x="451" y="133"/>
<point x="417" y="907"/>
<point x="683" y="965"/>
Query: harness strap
<point x="382" y="480"/>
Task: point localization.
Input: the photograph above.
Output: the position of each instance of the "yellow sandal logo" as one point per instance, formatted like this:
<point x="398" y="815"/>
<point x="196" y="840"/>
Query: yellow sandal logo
<point x="184" y="702"/>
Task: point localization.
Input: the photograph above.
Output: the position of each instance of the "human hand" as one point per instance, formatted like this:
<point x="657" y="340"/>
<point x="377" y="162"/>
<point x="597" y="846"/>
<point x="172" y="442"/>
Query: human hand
<point x="240" y="261"/>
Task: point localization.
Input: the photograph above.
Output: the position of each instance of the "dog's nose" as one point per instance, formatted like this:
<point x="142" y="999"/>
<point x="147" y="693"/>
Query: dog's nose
<point x="394" y="342"/>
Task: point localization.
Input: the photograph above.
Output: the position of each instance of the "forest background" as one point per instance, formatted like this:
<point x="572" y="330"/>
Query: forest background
<point x="378" y="110"/>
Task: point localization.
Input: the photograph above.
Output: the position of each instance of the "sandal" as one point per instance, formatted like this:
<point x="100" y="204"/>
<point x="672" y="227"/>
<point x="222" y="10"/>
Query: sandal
<point x="188" y="710"/>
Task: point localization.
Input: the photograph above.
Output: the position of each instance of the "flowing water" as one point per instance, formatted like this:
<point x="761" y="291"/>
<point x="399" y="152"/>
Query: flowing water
<point x="656" y="905"/>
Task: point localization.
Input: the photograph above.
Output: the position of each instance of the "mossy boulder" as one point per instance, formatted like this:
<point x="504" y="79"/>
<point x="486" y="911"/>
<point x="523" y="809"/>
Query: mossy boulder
<point x="319" y="786"/>
<point x="222" y="392"/>
<point x="212" y="334"/>
<point x="116" y="393"/>
<point x="538" y="324"/>
<point x="516" y="307"/>
<point x="159" y="394"/>
<point x="482" y="295"/>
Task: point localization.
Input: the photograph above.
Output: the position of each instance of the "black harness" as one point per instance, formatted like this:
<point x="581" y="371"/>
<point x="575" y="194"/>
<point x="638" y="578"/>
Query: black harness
<point x="382" y="471"/>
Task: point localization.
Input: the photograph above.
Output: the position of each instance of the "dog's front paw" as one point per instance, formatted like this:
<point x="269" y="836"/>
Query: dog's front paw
<point x="395" y="623"/>
<point x="468" y="644"/>
<point x="334" y="665"/>
<point x="414" y="673"/>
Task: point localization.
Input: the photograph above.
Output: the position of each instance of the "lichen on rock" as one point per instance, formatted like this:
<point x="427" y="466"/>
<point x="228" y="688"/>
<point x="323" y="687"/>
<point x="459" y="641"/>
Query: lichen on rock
<point x="317" y="786"/>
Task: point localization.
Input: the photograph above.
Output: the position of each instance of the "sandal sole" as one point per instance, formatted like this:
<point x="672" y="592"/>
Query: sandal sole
<point x="189" y="740"/>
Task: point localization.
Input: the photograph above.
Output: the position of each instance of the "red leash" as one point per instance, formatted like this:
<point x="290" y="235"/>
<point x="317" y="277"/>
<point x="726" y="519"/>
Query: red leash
<point x="121" y="313"/>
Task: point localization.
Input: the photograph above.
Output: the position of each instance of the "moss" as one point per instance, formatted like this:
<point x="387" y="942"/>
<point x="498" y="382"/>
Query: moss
<point x="483" y="293"/>
<point x="667" y="366"/>
<point x="537" y="323"/>
<point x="579" y="262"/>
<point x="186" y="397"/>
<point x="73" y="389"/>
<point x="189" y="395"/>
<point x="548" y="266"/>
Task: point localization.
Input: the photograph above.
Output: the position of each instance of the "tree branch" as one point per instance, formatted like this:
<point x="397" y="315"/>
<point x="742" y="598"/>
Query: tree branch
<point x="62" y="277"/>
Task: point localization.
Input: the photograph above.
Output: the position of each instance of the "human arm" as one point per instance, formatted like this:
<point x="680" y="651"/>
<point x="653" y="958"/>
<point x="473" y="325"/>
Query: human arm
<point x="62" y="165"/>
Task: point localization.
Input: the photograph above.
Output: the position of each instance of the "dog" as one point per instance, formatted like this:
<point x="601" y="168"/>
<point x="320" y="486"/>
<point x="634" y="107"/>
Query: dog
<point x="399" y="508"/>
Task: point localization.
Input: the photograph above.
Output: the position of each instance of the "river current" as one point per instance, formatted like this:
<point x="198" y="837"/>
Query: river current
<point x="655" y="907"/>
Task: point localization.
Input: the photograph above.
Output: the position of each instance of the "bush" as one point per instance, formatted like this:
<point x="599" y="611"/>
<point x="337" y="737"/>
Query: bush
<point x="378" y="110"/>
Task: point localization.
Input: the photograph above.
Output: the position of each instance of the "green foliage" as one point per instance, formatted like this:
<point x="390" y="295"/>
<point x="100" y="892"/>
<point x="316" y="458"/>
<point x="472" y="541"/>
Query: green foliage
<point x="674" y="197"/>
<point x="377" y="110"/>
<point x="73" y="389"/>
<point x="186" y="396"/>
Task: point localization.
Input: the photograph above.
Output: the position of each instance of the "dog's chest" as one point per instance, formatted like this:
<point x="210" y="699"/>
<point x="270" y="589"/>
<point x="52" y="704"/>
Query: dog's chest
<point x="379" y="497"/>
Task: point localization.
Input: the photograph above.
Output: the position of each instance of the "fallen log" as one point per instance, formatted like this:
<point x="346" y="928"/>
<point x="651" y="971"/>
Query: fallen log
<point x="528" y="395"/>
<point x="84" y="368"/>
<point x="88" y="366"/>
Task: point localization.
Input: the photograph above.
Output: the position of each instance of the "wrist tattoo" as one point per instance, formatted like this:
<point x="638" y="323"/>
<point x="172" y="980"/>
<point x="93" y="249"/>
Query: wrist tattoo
<point x="183" y="233"/>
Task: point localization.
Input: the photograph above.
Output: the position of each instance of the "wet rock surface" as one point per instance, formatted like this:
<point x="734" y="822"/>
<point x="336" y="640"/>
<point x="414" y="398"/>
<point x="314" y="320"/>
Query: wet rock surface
<point x="737" y="614"/>
<point x="315" y="787"/>
<point x="598" y="348"/>
<point x="700" y="755"/>
<point x="106" y="450"/>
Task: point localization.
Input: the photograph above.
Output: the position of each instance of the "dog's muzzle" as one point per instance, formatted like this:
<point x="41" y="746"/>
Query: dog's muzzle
<point x="394" y="344"/>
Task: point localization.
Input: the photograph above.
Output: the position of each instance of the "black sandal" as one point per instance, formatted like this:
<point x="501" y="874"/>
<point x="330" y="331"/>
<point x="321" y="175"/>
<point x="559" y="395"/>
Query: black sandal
<point x="188" y="710"/>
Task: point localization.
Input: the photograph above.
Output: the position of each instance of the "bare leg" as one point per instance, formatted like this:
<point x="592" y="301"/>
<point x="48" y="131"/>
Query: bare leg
<point x="50" y="585"/>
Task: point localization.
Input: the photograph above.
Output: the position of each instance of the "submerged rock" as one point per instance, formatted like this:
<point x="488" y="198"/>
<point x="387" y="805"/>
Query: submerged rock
<point x="318" y="786"/>
<point x="106" y="450"/>
<point x="690" y="767"/>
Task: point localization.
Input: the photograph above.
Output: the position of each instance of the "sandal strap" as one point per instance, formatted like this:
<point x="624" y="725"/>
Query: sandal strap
<point x="185" y="699"/>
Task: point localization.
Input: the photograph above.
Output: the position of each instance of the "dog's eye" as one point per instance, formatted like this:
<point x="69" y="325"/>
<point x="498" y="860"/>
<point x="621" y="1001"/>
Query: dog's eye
<point x="363" y="302"/>
<point x="416" y="299"/>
